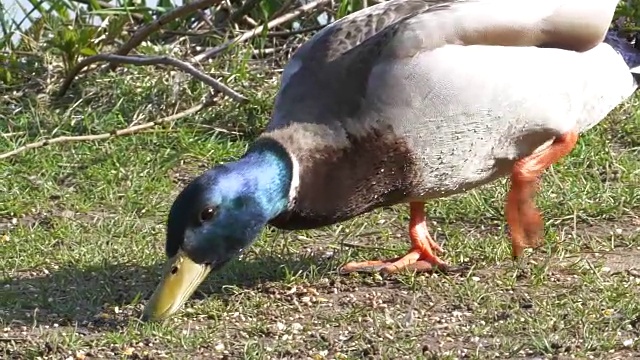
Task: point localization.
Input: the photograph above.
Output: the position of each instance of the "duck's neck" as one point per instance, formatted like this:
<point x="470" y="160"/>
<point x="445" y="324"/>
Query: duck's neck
<point x="267" y="170"/>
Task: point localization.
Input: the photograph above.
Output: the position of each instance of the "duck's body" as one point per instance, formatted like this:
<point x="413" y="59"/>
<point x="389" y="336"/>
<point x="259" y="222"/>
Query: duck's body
<point x="403" y="102"/>
<point x="424" y="109"/>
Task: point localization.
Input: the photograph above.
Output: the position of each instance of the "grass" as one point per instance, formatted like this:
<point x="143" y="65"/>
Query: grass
<point x="82" y="237"/>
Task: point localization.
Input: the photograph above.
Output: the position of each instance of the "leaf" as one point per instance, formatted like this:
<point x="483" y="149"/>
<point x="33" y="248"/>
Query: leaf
<point x="88" y="51"/>
<point x="5" y="76"/>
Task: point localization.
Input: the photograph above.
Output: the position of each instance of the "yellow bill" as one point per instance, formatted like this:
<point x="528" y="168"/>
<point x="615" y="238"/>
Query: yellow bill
<point x="181" y="278"/>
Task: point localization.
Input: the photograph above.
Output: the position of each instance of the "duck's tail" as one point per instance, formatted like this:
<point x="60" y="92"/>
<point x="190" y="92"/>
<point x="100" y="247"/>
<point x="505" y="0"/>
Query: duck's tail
<point x="629" y="53"/>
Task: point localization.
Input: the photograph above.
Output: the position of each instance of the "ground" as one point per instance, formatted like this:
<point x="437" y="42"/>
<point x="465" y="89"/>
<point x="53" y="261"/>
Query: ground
<point x="82" y="240"/>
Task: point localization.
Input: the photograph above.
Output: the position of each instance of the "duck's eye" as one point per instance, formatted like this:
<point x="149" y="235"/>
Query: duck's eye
<point x="207" y="214"/>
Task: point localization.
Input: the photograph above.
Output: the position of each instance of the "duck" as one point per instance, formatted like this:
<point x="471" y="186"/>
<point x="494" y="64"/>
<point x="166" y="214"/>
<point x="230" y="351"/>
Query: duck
<point x="400" y="103"/>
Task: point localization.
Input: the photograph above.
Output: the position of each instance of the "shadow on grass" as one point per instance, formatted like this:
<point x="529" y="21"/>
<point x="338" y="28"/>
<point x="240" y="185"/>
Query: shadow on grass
<point x="71" y="296"/>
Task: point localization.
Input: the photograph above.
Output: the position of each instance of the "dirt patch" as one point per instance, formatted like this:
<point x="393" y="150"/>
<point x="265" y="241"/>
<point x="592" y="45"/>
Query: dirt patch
<point x="34" y="219"/>
<point x="619" y="262"/>
<point x="627" y="226"/>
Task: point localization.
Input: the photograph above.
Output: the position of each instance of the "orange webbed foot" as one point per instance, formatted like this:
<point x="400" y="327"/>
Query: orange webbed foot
<point x="420" y="258"/>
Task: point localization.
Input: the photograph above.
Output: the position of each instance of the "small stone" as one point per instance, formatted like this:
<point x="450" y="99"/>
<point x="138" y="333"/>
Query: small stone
<point x="627" y="343"/>
<point x="475" y="278"/>
<point x="219" y="347"/>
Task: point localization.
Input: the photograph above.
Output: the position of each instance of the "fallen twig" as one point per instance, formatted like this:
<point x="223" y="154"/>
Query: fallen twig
<point x="249" y="20"/>
<point x="155" y="60"/>
<point x="122" y="132"/>
<point x="250" y="34"/>
<point x="145" y="31"/>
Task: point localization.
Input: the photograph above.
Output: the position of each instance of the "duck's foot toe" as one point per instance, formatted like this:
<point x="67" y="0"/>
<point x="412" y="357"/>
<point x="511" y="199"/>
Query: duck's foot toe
<point x="415" y="260"/>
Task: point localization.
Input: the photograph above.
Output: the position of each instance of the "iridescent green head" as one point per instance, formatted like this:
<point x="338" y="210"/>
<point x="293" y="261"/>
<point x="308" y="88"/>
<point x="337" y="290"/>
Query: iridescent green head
<point x="216" y="217"/>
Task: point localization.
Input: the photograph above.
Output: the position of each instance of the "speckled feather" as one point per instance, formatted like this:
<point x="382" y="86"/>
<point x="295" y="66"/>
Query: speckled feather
<point x="411" y="100"/>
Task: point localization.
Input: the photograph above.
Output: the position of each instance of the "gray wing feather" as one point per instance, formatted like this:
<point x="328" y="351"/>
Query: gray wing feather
<point x="350" y="47"/>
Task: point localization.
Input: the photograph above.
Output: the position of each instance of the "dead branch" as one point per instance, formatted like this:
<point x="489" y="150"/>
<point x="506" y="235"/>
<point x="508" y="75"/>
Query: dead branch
<point x="147" y="30"/>
<point x="153" y="60"/>
<point x="249" y="20"/>
<point x="122" y="132"/>
<point x="271" y="24"/>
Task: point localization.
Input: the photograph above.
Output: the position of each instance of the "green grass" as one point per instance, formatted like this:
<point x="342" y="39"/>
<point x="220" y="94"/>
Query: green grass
<point x="82" y="237"/>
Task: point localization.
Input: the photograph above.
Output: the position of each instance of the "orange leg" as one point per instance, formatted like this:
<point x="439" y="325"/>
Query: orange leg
<point x="524" y="219"/>
<point x="421" y="257"/>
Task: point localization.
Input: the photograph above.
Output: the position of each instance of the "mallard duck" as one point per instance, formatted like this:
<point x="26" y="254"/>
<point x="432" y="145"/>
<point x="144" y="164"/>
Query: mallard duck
<point x="402" y="102"/>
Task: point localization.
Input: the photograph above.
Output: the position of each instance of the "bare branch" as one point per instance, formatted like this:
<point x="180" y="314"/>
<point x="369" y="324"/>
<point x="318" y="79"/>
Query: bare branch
<point x="116" y="133"/>
<point x="154" y="60"/>
<point x="145" y="31"/>
<point x="250" y="34"/>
